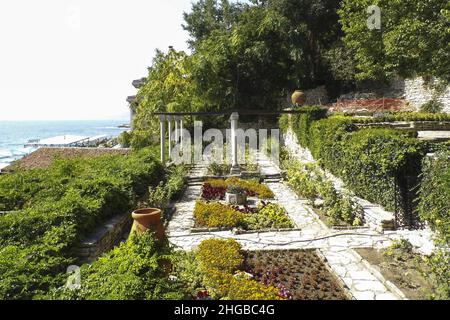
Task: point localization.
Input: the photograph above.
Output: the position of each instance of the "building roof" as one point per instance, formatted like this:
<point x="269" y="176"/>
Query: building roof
<point x="139" y="83"/>
<point x="131" y="99"/>
<point x="44" y="157"/>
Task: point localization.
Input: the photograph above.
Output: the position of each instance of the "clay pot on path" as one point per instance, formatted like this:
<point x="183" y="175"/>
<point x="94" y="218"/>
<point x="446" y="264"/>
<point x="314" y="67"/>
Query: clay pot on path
<point x="148" y="219"/>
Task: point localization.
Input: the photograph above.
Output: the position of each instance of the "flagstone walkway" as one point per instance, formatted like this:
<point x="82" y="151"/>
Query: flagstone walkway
<point x="336" y="246"/>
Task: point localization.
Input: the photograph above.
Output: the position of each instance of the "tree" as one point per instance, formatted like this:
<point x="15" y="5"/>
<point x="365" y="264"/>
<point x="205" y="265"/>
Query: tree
<point x="414" y="39"/>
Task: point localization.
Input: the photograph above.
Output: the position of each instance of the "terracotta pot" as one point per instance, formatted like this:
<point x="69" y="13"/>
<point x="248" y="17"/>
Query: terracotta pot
<point x="298" y="97"/>
<point x="148" y="219"/>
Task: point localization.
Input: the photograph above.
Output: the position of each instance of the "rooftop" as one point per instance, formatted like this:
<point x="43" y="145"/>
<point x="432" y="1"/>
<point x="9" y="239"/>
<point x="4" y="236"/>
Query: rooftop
<point x="44" y="157"/>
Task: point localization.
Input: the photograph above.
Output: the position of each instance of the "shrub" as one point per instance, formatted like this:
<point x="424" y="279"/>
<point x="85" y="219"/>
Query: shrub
<point x="219" y="169"/>
<point x="136" y="270"/>
<point x="71" y="198"/>
<point x="125" y="139"/>
<point x="434" y="194"/>
<point x="432" y="106"/>
<point x="309" y="182"/>
<point x="217" y="215"/>
<point x="223" y="255"/>
<point x="380" y="165"/>
<point x="268" y="216"/>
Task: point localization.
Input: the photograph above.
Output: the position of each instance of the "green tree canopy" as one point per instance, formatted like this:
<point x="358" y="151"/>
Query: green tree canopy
<point x="414" y="39"/>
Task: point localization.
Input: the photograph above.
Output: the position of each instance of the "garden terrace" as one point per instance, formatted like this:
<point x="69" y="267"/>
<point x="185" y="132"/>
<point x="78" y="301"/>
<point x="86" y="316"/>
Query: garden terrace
<point x="48" y="212"/>
<point x="378" y="164"/>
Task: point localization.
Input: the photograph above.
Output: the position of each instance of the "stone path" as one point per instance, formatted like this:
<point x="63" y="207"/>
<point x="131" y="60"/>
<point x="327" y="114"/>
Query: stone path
<point x="336" y="246"/>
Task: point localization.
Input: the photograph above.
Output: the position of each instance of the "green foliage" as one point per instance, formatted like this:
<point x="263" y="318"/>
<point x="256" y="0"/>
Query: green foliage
<point x="434" y="194"/>
<point x="219" y="169"/>
<point x="136" y="270"/>
<point x="217" y="215"/>
<point x="432" y="106"/>
<point x="439" y="264"/>
<point x="301" y="123"/>
<point x="309" y="182"/>
<point x="125" y="139"/>
<point x="413" y="39"/>
<point x="434" y="207"/>
<point x="66" y="202"/>
<point x="169" y="189"/>
<point x="403" y="116"/>
<point x="379" y="165"/>
<point x="270" y="216"/>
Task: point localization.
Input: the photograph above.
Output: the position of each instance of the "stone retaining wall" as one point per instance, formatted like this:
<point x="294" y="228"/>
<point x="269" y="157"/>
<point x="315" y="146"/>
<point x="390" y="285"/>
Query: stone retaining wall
<point x="104" y="238"/>
<point x="418" y="94"/>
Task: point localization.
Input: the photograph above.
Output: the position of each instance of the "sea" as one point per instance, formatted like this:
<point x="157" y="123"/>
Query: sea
<point x="15" y="134"/>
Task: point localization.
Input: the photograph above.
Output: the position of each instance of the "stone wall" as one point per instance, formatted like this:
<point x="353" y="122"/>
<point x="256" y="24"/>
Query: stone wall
<point x="316" y="96"/>
<point x="418" y="94"/>
<point x="104" y="238"/>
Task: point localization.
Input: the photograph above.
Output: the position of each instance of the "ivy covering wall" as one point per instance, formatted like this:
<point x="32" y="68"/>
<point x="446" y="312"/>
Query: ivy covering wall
<point x="379" y="165"/>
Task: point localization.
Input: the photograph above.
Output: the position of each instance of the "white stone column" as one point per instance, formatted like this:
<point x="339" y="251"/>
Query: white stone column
<point x="162" y="123"/>
<point x="169" y="119"/>
<point x="235" y="169"/>
<point x="181" y="131"/>
<point x="177" y="133"/>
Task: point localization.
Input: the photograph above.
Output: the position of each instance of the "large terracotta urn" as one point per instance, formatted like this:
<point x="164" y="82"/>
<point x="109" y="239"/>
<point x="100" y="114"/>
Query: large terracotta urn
<point x="298" y="97"/>
<point x="148" y="219"/>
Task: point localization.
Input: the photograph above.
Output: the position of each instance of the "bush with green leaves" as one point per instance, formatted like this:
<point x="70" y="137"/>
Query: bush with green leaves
<point x="432" y="106"/>
<point x="67" y="202"/>
<point x="309" y="182"/>
<point x="268" y="216"/>
<point x="136" y="270"/>
<point x="434" y="195"/>
<point x="379" y="165"/>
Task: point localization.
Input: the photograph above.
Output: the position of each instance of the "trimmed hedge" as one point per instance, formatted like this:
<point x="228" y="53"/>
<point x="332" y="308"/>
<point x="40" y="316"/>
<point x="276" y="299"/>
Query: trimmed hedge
<point x="434" y="199"/>
<point x="68" y="200"/>
<point x="380" y="165"/>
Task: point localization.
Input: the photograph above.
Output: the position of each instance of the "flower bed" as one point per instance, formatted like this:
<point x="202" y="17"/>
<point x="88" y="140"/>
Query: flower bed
<point x="265" y="216"/>
<point x="220" y="262"/>
<point x="220" y="269"/>
<point x="215" y="189"/>
<point x="299" y="275"/>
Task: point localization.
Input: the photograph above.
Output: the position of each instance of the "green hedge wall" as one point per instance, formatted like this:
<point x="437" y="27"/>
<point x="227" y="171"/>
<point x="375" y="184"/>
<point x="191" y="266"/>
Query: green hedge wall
<point x="56" y="207"/>
<point x="380" y="165"/>
<point x="434" y="199"/>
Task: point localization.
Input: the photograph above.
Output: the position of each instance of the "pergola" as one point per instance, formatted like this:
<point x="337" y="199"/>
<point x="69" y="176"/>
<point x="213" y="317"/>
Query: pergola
<point x="175" y="119"/>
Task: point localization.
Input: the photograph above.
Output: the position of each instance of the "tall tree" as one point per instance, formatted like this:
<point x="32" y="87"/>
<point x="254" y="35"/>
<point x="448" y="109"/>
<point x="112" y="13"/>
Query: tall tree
<point x="414" y="38"/>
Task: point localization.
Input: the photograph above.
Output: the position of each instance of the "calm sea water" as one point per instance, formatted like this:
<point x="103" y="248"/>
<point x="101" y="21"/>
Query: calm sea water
<point x="14" y="135"/>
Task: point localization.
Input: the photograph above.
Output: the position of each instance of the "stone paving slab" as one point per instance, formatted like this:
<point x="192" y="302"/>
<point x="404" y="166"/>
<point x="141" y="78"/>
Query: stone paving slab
<point x="336" y="246"/>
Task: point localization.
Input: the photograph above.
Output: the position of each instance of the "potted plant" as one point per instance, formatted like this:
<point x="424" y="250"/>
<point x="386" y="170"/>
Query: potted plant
<point x="148" y="219"/>
<point x="236" y="195"/>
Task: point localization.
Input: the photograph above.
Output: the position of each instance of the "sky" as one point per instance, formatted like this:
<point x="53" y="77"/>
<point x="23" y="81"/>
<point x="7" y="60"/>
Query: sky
<point x="76" y="59"/>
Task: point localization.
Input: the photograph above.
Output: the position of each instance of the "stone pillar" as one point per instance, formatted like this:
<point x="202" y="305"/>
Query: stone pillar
<point x="169" y="119"/>
<point x="162" y="122"/>
<point x="181" y="131"/>
<point x="177" y="133"/>
<point x="235" y="169"/>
